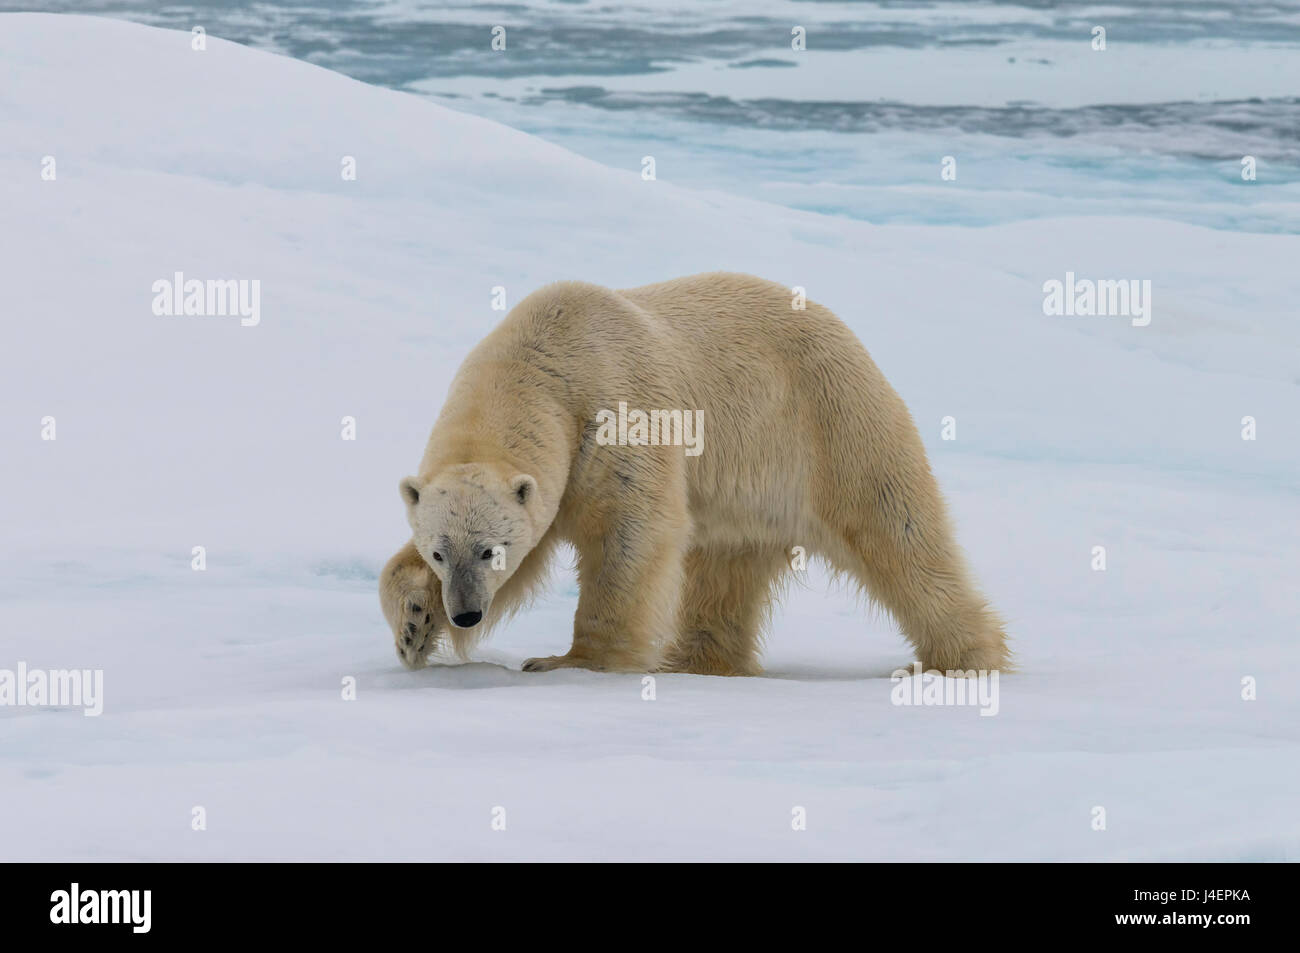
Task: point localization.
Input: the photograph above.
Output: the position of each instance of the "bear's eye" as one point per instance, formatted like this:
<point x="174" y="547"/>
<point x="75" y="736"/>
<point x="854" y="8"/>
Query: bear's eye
<point x="437" y="557"/>
<point x="487" y="554"/>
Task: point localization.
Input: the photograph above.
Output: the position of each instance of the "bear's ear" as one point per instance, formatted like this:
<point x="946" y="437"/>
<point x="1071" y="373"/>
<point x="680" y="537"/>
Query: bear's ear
<point x="523" y="487"/>
<point x="410" y="491"/>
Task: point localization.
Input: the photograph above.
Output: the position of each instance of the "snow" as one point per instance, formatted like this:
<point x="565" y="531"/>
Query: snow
<point x="223" y="687"/>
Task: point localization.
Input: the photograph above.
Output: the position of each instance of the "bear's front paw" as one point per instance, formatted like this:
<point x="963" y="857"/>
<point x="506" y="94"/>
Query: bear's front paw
<point x="417" y="629"/>
<point x="551" y="662"/>
<point x="543" y="664"/>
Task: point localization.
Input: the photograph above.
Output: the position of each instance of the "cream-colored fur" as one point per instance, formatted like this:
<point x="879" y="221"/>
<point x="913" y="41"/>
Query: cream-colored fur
<point x="804" y="444"/>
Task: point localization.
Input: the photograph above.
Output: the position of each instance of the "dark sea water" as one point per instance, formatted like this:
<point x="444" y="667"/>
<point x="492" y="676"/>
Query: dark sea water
<point x="857" y="123"/>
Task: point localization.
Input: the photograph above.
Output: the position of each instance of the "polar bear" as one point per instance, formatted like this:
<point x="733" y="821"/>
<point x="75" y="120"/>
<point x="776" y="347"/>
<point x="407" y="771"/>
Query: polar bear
<point x="799" y="441"/>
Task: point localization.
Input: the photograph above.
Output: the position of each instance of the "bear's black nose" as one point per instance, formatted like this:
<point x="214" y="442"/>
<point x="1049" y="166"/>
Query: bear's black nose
<point x="467" y="620"/>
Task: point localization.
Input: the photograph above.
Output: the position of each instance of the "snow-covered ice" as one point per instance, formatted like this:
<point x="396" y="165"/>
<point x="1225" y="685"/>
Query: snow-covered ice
<point x="223" y="687"/>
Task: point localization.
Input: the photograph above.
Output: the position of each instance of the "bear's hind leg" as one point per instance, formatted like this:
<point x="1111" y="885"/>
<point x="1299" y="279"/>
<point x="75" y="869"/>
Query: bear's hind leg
<point x="725" y="600"/>
<point x="922" y="580"/>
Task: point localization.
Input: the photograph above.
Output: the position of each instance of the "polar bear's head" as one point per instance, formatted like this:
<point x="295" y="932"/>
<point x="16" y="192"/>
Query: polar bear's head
<point x="473" y="525"/>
